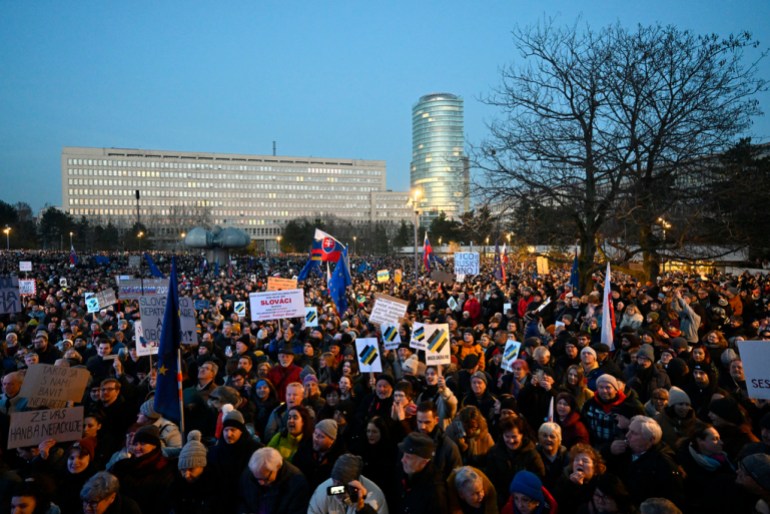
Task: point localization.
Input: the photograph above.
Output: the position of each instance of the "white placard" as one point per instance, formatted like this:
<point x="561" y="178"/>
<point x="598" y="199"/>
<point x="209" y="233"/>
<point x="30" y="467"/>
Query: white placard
<point x="287" y="303"/>
<point x="63" y="282"/>
<point x="187" y="321"/>
<point x="419" y="339"/>
<point x="144" y="347"/>
<point x="151" y="309"/>
<point x="134" y="261"/>
<point x="466" y="263"/>
<point x="390" y="336"/>
<point x="101" y="300"/>
<point x="387" y="309"/>
<point x="51" y="386"/>
<point x="33" y="427"/>
<point x="368" y="355"/>
<point x="755" y="356"/>
<point x="510" y="354"/>
<point x="240" y="309"/>
<point x="25" y="265"/>
<point x="438" y="351"/>
<point x="311" y="316"/>
<point x="27" y="287"/>
<point x="133" y="288"/>
<point x="506" y="308"/>
<point x="452" y="303"/>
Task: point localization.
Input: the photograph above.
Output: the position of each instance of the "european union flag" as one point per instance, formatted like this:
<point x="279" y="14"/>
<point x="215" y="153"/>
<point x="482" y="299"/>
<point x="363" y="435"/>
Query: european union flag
<point x="574" y="276"/>
<point x="168" y="390"/>
<point x="339" y="282"/>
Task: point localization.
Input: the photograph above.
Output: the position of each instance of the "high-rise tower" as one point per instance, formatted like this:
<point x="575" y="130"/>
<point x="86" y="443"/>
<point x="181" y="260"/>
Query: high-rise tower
<point x="439" y="165"/>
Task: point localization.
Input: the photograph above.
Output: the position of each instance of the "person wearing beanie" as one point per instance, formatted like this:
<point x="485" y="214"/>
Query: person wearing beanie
<point x="286" y="372"/>
<point x="196" y="488"/>
<point x="754" y="476"/>
<point x="80" y="467"/>
<point x="169" y="432"/>
<point x="597" y="412"/>
<point x="643" y="376"/>
<point x="527" y="494"/>
<point x="589" y="361"/>
<point x="480" y="395"/>
<point x="347" y="472"/>
<point x="146" y="477"/>
<point x="316" y="459"/>
<point x="677" y="420"/>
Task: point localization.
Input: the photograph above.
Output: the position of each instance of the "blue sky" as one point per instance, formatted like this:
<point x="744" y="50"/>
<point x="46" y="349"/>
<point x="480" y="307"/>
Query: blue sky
<point x="327" y="79"/>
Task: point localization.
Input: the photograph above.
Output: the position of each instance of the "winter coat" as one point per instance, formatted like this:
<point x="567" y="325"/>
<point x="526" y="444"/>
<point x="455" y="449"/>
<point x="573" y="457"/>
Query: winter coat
<point x="322" y="503"/>
<point x="502" y="464"/>
<point x="704" y="478"/>
<point x="573" y="430"/>
<point x="204" y="496"/>
<point x="288" y="494"/>
<point x="421" y="493"/>
<point x="146" y="480"/>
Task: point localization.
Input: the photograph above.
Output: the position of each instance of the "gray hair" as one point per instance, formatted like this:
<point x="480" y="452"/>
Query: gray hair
<point x="466" y="476"/>
<point x="658" y="506"/>
<point x="549" y="427"/>
<point x="649" y="428"/>
<point x="265" y="458"/>
<point x="100" y="486"/>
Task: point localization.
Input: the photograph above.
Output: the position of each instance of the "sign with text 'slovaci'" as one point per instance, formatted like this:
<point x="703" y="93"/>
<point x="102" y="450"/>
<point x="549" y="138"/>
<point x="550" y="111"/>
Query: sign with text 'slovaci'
<point x="287" y="303"/>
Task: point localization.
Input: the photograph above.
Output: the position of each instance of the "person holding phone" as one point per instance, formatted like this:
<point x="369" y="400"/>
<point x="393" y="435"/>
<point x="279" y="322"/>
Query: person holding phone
<point x="347" y="490"/>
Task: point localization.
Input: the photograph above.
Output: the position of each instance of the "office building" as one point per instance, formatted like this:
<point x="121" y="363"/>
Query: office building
<point x="439" y="167"/>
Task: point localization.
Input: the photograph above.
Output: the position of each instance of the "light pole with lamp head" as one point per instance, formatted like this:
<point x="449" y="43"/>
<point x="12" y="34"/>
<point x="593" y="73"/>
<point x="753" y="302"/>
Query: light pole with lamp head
<point x="7" y="232"/>
<point x="415" y="198"/>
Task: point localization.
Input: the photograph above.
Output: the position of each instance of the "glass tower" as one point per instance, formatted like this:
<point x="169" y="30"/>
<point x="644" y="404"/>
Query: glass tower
<point x="439" y="165"/>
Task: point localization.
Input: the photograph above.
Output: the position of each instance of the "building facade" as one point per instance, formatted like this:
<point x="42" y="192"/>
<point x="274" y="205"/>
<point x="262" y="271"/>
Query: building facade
<point x="256" y="193"/>
<point x="440" y="168"/>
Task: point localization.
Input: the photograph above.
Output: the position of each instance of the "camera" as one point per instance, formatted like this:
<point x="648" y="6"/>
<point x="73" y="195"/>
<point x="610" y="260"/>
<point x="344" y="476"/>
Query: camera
<point x="335" y="490"/>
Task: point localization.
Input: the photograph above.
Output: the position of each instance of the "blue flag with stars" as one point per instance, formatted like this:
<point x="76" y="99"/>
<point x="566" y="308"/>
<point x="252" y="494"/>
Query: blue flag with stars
<point x="167" y="390"/>
<point x="339" y="282"/>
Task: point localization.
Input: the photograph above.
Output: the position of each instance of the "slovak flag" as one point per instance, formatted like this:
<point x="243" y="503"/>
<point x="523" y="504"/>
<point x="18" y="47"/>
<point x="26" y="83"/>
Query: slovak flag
<point x="427" y="253"/>
<point x="73" y="256"/>
<point x="326" y="247"/>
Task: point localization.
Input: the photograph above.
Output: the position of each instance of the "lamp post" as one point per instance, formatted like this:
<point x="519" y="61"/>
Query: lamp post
<point x="355" y="245"/>
<point x="665" y="225"/>
<point x="140" y="236"/>
<point x="415" y="198"/>
<point x="7" y="232"/>
<point x="486" y="248"/>
<point x="279" y="243"/>
<point x="71" y="234"/>
<point x="181" y="239"/>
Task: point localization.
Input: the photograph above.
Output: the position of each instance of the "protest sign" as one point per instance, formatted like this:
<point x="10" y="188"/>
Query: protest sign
<point x="187" y="321"/>
<point x="143" y="347"/>
<point x="506" y="308"/>
<point x="467" y="263"/>
<point x="397" y="276"/>
<point x="510" y="354"/>
<point x="544" y="304"/>
<point x="387" y="309"/>
<point x="756" y="366"/>
<point x="33" y="427"/>
<point x="101" y="300"/>
<point x="390" y="336"/>
<point x="419" y="340"/>
<point x="134" y="288"/>
<point x="280" y="284"/>
<point x="288" y="303"/>
<point x="201" y="304"/>
<point x="437" y="348"/>
<point x="134" y="261"/>
<point x="452" y="303"/>
<point x="542" y="266"/>
<point x="63" y="282"/>
<point x="442" y="276"/>
<point x="383" y="276"/>
<point x="151" y="309"/>
<point x="368" y="354"/>
<point x="10" y="300"/>
<point x="240" y="309"/>
<point x="27" y="287"/>
<point x="53" y="386"/>
<point x="311" y="316"/>
<point x="25" y="265"/>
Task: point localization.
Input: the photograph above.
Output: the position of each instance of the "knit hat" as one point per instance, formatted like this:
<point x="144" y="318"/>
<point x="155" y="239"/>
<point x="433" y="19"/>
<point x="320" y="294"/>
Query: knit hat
<point x="86" y="446"/>
<point x="387" y="378"/>
<point x="647" y="352"/>
<point x="588" y="349"/>
<point x="481" y="376"/>
<point x="676" y="395"/>
<point x="418" y="444"/>
<point x="148" y="434"/>
<point x="470" y="361"/>
<point x="328" y="427"/>
<point x="601" y="348"/>
<point x="309" y="378"/>
<point x="728" y="410"/>
<point x="347" y="468"/>
<point x="728" y="356"/>
<point x="608" y="379"/>
<point x="233" y="418"/>
<point x="679" y="343"/>
<point x="148" y="410"/>
<point x="528" y="484"/>
<point x="757" y="466"/>
<point x="225" y="394"/>
<point x="628" y="409"/>
<point x="307" y="370"/>
<point x="193" y="454"/>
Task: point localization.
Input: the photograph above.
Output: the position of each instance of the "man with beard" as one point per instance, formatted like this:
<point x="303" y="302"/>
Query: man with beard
<point x="447" y="455"/>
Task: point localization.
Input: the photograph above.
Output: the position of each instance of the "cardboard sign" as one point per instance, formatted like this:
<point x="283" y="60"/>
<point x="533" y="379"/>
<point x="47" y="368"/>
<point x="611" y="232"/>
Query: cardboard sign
<point x="27" y="287"/>
<point x="387" y="309"/>
<point x="151" y="309"/>
<point x="311" y="316"/>
<point x="134" y="288"/>
<point x="438" y="351"/>
<point x="442" y="276"/>
<point x="25" y="265"/>
<point x="542" y="266"/>
<point x="101" y="300"/>
<point x="53" y="386"/>
<point x="390" y="336"/>
<point x="368" y="355"/>
<point x="398" y="276"/>
<point x="466" y="263"/>
<point x="10" y="300"/>
<point x="510" y="354"/>
<point x="383" y="276"/>
<point x="187" y="320"/>
<point x="289" y="303"/>
<point x="240" y="309"/>
<point x="280" y="284"/>
<point x="419" y="340"/>
<point x="756" y="365"/>
<point x="143" y="346"/>
<point x="33" y="427"/>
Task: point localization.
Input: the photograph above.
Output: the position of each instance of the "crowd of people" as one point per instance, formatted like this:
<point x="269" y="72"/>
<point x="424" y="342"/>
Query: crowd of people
<point x="278" y="417"/>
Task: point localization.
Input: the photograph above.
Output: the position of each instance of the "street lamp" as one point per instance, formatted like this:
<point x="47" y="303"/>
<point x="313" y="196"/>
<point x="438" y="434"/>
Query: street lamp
<point x="7" y="232"/>
<point x="140" y="235"/>
<point x="279" y="243"/>
<point x="665" y="225"/>
<point x="71" y="234"/>
<point x="439" y="240"/>
<point x="355" y="245"/>
<point x="486" y="248"/>
<point x="414" y="199"/>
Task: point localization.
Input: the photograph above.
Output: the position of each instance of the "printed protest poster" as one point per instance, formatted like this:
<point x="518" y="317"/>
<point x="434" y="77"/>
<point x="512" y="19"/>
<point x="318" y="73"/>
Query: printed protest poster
<point x="466" y="263"/>
<point x="27" y="287"/>
<point x="756" y="366"/>
<point x="383" y="276"/>
<point x="101" y="300"/>
<point x="279" y="284"/>
<point x="151" y="309"/>
<point x="25" y="265"/>
<point x="143" y="347"/>
<point x="311" y="316"/>
<point x="33" y="427"/>
<point x="438" y="348"/>
<point x="63" y="282"/>
<point x="542" y="266"/>
<point x="387" y="309"/>
<point x="510" y="354"/>
<point x="452" y="303"/>
<point x="398" y="276"/>
<point x="240" y="309"/>
<point x="134" y="288"/>
<point x="53" y="386"/>
<point x="187" y="320"/>
<point x="419" y="340"/>
<point x="10" y="300"/>
<point x="390" y="336"/>
<point x="288" y="303"/>
<point x="368" y="354"/>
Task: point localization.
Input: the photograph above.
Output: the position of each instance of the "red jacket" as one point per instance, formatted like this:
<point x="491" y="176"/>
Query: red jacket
<point x="280" y="377"/>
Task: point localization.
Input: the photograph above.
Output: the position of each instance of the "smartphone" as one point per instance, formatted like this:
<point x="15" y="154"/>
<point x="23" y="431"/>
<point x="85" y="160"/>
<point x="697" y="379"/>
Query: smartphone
<point x="335" y="490"/>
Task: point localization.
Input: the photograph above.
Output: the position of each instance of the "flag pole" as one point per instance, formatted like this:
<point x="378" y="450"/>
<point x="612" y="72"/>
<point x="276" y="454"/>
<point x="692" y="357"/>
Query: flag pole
<point x="179" y="388"/>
